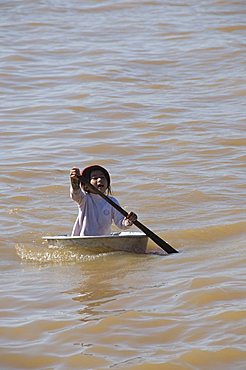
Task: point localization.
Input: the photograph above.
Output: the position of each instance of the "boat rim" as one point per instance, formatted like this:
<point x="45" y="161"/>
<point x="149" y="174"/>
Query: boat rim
<point x="123" y="234"/>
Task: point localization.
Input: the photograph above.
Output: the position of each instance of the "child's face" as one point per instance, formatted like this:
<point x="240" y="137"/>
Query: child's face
<point x="99" y="180"/>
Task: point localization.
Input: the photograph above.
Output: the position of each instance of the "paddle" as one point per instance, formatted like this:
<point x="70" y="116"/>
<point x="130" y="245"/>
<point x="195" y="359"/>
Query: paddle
<point x="161" y="243"/>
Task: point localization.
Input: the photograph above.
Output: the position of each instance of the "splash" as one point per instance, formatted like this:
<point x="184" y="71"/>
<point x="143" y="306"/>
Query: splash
<point x="45" y="253"/>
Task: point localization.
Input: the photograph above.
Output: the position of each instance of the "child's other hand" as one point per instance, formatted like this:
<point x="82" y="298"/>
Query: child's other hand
<point x="130" y="218"/>
<point x="75" y="172"/>
<point x="74" y="177"/>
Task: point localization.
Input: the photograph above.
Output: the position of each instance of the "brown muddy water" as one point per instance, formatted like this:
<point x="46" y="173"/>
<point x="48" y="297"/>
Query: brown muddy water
<point x="155" y="92"/>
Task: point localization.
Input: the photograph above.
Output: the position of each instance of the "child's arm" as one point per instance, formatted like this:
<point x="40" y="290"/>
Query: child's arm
<point x="74" y="178"/>
<point x="75" y="190"/>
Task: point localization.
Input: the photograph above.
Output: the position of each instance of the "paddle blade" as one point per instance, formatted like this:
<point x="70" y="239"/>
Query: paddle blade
<point x="164" y="245"/>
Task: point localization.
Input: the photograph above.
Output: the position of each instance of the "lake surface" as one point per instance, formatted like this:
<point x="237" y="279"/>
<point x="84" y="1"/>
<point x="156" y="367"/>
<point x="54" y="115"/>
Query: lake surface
<point x="155" y="92"/>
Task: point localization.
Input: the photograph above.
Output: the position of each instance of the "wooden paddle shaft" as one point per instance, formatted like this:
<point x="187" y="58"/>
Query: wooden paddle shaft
<point x="164" y="245"/>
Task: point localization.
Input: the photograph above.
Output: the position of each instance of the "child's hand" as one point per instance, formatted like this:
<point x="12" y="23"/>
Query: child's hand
<point x="74" y="177"/>
<point x="130" y="218"/>
<point x="75" y="172"/>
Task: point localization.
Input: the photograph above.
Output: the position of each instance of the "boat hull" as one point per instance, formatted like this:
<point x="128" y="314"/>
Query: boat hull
<point x="134" y="242"/>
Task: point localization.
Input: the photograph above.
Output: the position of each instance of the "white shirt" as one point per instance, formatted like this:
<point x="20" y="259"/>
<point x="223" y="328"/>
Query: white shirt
<point x="95" y="215"/>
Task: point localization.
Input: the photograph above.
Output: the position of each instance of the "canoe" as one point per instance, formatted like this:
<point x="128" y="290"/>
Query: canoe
<point x="135" y="242"/>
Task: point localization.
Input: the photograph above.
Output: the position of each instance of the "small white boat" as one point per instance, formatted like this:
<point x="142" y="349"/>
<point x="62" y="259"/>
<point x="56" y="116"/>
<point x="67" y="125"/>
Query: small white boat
<point x="135" y="242"/>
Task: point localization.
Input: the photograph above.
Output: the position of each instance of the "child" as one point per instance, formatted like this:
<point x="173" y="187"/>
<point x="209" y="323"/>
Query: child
<point x="95" y="213"/>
